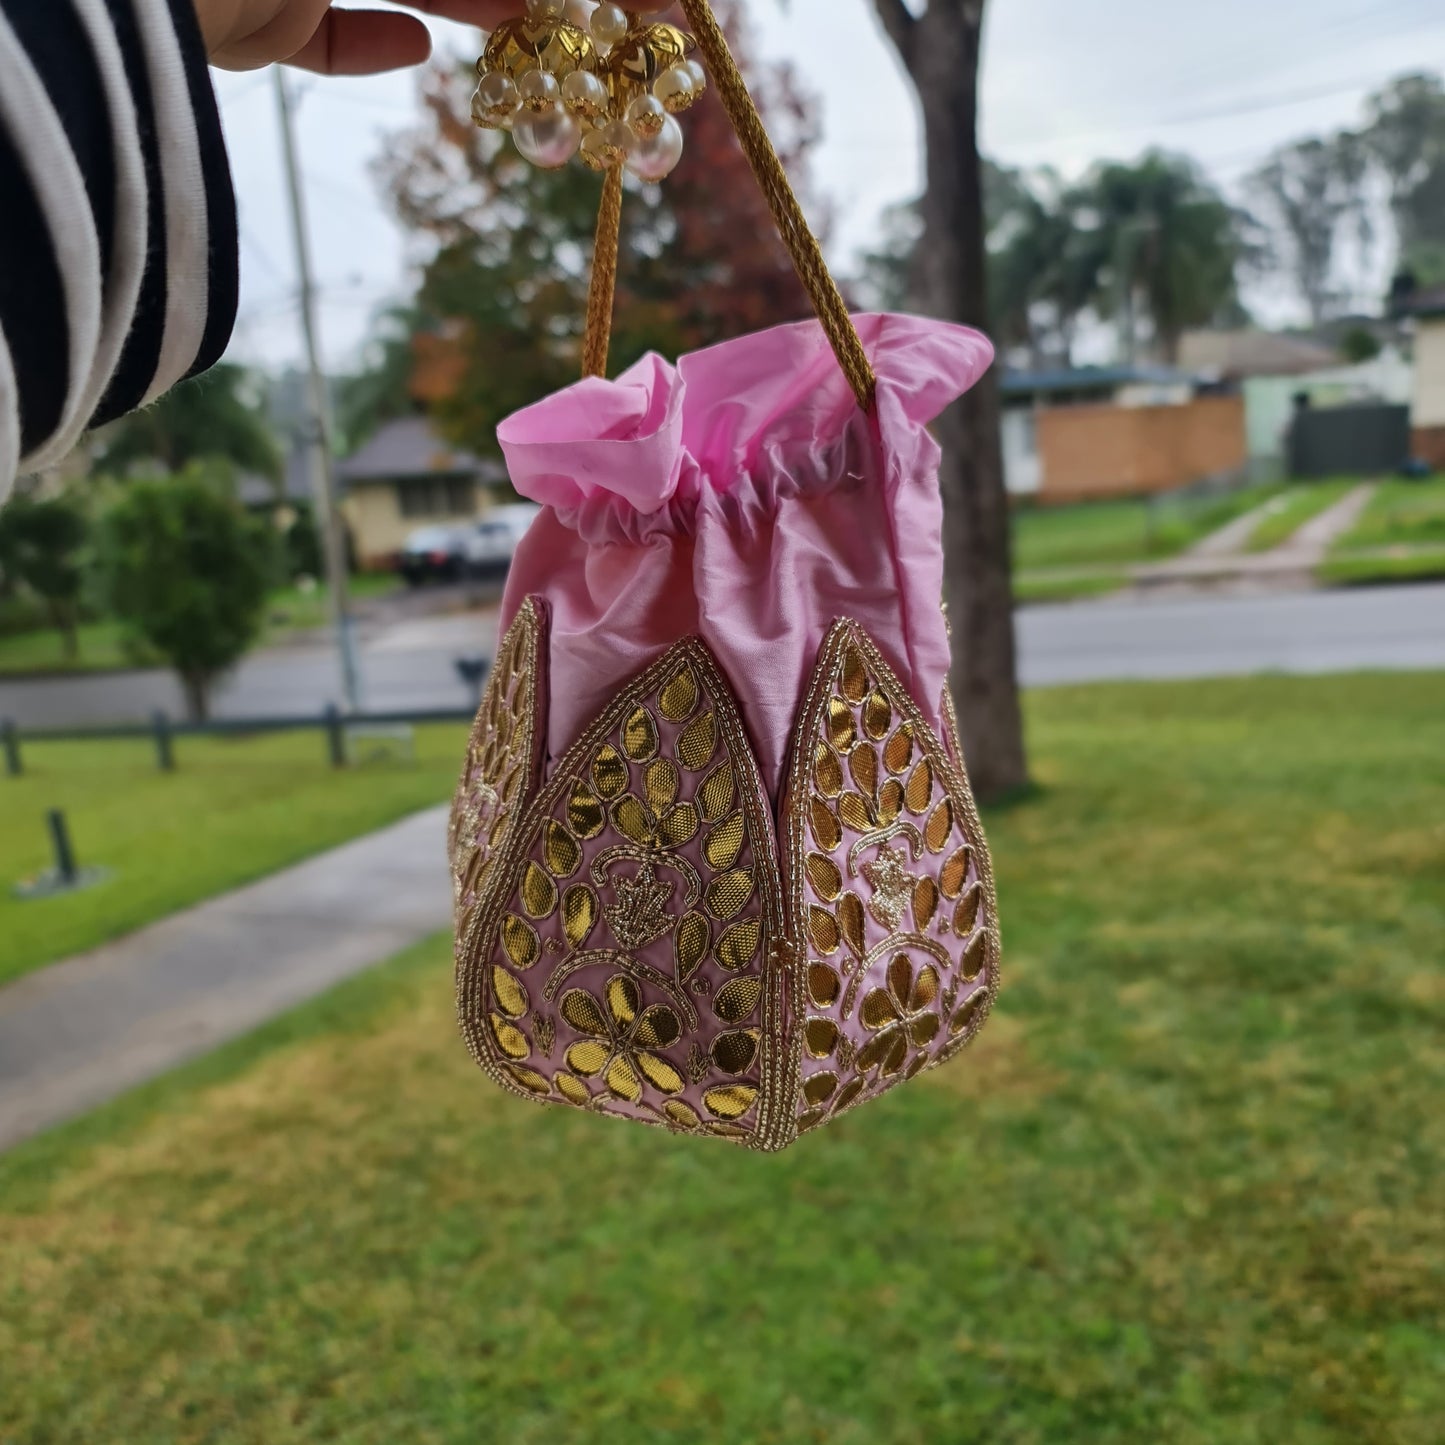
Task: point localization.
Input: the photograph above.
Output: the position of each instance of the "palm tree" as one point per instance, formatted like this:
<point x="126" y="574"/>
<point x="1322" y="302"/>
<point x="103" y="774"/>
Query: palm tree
<point x="1171" y="244"/>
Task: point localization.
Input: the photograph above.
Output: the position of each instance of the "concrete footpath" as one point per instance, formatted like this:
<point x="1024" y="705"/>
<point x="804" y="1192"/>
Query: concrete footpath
<point x="79" y="1032"/>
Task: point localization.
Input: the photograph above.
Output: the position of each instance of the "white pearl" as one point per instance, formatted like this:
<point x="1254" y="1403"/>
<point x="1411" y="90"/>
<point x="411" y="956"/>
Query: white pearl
<point x="549" y="140"/>
<point x="609" y="24"/>
<point x="545" y="9"/>
<point x="697" y="74"/>
<point x="619" y="136"/>
<point x="646" y="115"/>
<point x="539" y="90"/>
<point x="598" y="153"/>
<point x="585" y="95"/>
<point x="579" y="13"/>
<point x="496" y="98"/>
<point x="655" y="158"/>
<point x="674" y="89"/>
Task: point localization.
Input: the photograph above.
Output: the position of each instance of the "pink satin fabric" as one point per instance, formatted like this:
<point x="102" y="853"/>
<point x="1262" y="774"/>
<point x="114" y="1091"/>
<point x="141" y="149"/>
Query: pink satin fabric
<point x="744" y="498"/>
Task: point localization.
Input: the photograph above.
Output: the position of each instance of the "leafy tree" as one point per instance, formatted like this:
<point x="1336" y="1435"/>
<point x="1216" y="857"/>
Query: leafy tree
<point x="1405" y="137"/>
<point x="940" y="49"/>
<point x="41" y="545"/>
<point x="382" y="390"/>
<point x="188" y="570"/>
<point x="1310" y="191"/>
<point x="513" y="244"/>
<point x="211" y="418"/>
<point x="1171" y="243"/>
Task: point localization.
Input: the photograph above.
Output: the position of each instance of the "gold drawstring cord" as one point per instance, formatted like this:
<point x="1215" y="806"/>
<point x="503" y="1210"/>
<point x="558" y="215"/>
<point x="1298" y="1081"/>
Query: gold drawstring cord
<point x="603" y="290"/>
<point x="782" y="200"/>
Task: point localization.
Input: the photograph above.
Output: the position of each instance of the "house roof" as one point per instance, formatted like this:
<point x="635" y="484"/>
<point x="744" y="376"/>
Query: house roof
<point x="1237" y="354"/>
<point x="257" y="491"/>
<point x="1428" y="302"/>
<point x="410" y="447"/>
<point x="1090" y="378"/>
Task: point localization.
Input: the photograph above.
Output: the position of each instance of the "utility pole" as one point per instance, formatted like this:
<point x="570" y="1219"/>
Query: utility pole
<point x="323" y="467"/>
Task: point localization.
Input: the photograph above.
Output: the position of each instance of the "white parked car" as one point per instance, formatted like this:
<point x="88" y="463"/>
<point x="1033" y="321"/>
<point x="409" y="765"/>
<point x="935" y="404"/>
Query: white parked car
<point x="492" y="543"/>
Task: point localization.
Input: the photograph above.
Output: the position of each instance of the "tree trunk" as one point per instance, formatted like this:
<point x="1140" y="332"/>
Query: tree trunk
<point x="197" y="688"/>
<point x="941" y="51"/>
<point x="62" y="618"/>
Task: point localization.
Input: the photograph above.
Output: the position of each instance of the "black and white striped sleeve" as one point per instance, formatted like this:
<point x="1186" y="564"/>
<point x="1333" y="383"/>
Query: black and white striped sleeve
<point x="117" y="218"/>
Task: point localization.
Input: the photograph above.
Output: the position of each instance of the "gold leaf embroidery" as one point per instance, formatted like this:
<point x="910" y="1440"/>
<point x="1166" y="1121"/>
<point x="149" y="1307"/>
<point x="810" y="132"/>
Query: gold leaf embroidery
<point x="639" y="736"/>
<point x="824" y="876"/>
<point x="539" y="893"/>
<point x="530" y="1080"/>
<point x="972" y="1007"/>
<point x="877" y="716"/>
<point x="823" y="930"/>
<point x="697" y="742"/>
<point x="718" y="793"/>
<point x="511" y="997"/>
<point x="919" y="792"/>
<point x="693" y="935"/>
<point x="827" y="771"/>
<point x="863" y="765"/>
<point x="662" y="781"/>
<point x="820" y="1088"/>
<point x="899" y="751"/>
<point x="841" y="731"/>
<point x="609" y="772"/>
<point x="974" y="957"/>
<point x="827" y="833"/>
<point x="680" y="696"/>
<point x="725" y="842"/>
<point x="728" y="895"/>
<point x="965" y="916"/>
<point x="822" y="1037"/>
<point x="855" y="813"/>
<point x="579" y="914"/>
<point x="925" y="903"/>
<point x="731" y="1102"/>
<point x="738" y="1001"/>
<point x="734" y="1053"/>
<point x="824" y="985"/>
<point x="850" y="920"/>
<point x="519" y="941"/>
<point x="940" y="827"/>
<point x="510" y="1039"/>
<point x="739" y="945"/>
<point x="955" y="872"/>
<point x="560" y="850"/>
<point x="585" y="812"/>
<point x="855" y="675"/>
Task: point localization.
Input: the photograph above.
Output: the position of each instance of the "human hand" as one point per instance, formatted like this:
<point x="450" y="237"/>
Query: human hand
<point x="245" y="34"/>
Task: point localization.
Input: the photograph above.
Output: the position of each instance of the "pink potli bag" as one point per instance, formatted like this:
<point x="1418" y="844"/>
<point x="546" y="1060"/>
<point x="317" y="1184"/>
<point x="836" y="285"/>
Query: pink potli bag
<point x="717" y="863"/>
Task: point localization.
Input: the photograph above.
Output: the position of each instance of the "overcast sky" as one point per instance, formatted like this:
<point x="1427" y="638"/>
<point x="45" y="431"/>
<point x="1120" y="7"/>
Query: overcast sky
<point x="1065" y="82"/>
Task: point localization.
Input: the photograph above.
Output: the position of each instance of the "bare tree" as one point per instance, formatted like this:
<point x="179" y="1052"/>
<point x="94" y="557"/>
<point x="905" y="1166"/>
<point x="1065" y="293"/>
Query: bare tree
<point x="939" y="47"/>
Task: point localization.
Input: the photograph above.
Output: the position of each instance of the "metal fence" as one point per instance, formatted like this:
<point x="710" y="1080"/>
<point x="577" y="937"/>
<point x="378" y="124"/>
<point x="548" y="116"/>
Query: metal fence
<point x="335" y="725"/>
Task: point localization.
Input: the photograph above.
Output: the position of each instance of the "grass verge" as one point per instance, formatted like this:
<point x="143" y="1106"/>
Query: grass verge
<point x="103" y="646"/>
<point x="1046" y="587"/>
<point x="235" y="809"/>
<point x="1400" y="514"/>
<point x="1376" y="568"/>
<point x="1295" y="506"/>
<point x="1117" y="533"/>
<point x="1184" y="1189"/>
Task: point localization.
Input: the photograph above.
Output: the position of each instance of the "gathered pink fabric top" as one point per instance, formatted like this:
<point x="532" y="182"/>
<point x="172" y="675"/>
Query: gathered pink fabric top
<point x="742" y="497"/>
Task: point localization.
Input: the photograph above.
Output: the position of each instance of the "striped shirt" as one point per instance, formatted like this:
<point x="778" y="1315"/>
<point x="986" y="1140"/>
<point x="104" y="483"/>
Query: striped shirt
<point x="118" y="254"/>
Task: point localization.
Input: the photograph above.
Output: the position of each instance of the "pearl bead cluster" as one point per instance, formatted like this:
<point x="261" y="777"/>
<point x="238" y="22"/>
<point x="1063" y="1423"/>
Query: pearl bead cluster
<point x="578" y="78"/>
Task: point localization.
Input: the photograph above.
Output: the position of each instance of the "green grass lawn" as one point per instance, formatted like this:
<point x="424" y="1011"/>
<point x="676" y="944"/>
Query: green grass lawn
<point x="1067" y="587"/>
<point x="1401" y="514"/>
<point x="1293" y="508"/>
<point x="233" y="810"/>
<point x="1103" y="534"/>
<point x="103" y="645"/>
<point x="1186" y="1189"/>
<point x="1369" y="569"/>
